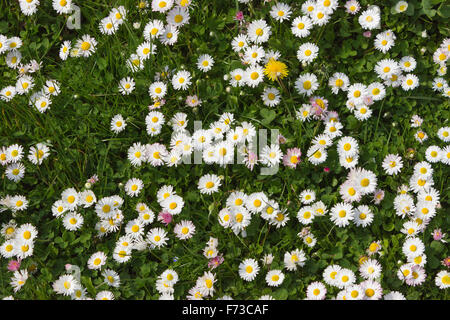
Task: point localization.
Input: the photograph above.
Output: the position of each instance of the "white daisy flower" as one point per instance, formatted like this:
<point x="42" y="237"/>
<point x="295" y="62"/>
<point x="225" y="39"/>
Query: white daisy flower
<point x="118" y="124"/>
<point x="133" y="187"/>
<point x="274" y="278"/>
<point x="301" y="26"/>
<point x="392" y="164"/>
<point x="280" y="12"/>
<point x="153" y="29"/>
<point x="126" y="85"/>
<point x="181" y="80"/>
<point x="248" y="269"/>
<point x="205" y="62"/>
<point x="184" y="230"/>
<point x="306" y="84"/>
<point x="307" y="52"/>
<point x="209" y="184"/>
<point x="258" y="31"/>
<point x="97" y="260"/>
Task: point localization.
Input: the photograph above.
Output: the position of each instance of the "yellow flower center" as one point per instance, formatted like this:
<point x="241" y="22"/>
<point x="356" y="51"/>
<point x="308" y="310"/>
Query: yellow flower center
<point x="178" y="18"/>
<point x="369" y="292"/>
<point x="85" y="45"/>
<point x="222" y="152"/>
<point x="365" y="182"/>
<point x="373" y="247"/>
<point x="307" y="85"/>
<point x="67" y="285"/>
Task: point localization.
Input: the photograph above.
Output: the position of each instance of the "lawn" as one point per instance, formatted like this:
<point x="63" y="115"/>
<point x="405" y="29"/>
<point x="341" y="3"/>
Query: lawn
<point x="252" y="172"/>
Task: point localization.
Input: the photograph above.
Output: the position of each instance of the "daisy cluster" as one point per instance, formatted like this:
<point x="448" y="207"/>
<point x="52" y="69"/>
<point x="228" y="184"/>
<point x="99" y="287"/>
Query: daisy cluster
<point x="240" y="209"/>
<point x="249" y="268"/>
<point x="40" y="100"/>
<point x="440" y="58"/>
<point x="19" y="240"/>
<point x="30" y="7"/>
<point x="133" y="223"/>
<point x="11" y="157"/>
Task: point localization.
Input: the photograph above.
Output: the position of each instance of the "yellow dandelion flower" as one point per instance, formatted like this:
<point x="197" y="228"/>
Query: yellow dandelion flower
<point x="275" y="69"/>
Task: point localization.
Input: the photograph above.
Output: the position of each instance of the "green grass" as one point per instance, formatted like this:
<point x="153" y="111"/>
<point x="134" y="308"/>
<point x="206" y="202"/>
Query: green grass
<point x="77" y="127"/>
